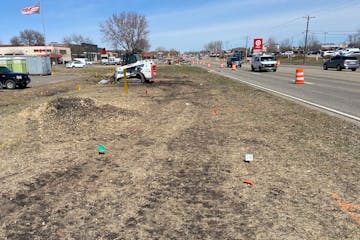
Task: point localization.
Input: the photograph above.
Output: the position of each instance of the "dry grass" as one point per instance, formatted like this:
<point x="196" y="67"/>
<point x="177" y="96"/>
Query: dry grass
<point x="174" y="165"/>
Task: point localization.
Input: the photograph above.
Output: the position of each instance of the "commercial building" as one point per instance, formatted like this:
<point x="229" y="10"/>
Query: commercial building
<point x="57" y="53"/>
<point x="85" y="50"/>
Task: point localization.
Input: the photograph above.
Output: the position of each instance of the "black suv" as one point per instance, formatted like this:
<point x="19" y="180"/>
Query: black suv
<point x="11" y="80"/>
<point x="342" y="62"/>
<point x="232" y="60"/>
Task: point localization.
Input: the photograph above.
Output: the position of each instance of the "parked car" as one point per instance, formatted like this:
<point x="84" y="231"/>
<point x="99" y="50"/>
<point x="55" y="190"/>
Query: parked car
<point x="313" y="52"/>
<point x="75" y="64"/>
<point x="232" y="60"/>
<point x="352" y="53"/>
<point x="328" y="53"/>
<point x="342" y="62"/>
<point x="288" y="53"/>
<point x="348" y="52"/>
<point x="11" y="80"/>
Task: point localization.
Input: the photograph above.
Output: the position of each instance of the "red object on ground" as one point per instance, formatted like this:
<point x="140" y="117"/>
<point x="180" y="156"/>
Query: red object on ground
<point x="248" y="182"/>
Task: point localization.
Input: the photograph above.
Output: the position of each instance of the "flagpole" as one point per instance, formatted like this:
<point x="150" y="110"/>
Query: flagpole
<point x="43" y="25"/>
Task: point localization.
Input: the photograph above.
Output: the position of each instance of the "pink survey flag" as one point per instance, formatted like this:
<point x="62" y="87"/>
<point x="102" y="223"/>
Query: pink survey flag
<point x="31" y="9"/>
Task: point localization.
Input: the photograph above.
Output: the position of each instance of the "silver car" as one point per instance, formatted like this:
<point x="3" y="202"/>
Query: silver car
<point x="342" y="62"/>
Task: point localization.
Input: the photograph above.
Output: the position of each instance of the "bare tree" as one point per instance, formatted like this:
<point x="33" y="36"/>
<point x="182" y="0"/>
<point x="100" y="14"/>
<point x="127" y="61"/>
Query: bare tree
<point x="272" y="45"/>
<point x="76" y="39"/>
<point x="15" y="41"/>
<point x="126" y="31"/>
<point x="143" y="45"/>
<point x="286" y="45"/>
<point x="28" y="38"/>
<point x="354" y="39"/>
<point x="312" y="43"/>
<point x="214" y="46"/>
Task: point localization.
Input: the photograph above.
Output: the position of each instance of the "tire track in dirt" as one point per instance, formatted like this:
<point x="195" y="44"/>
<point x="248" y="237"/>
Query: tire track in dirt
<point x="185" y="198"/>
<point x="189" y="197"/>
<point x="39" y="210"/>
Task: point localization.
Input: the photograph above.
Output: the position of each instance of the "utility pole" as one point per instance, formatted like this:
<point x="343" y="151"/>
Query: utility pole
<point x="306" y="36"/>
<point x="325" y="37"/>
<point x="246" y="46"/>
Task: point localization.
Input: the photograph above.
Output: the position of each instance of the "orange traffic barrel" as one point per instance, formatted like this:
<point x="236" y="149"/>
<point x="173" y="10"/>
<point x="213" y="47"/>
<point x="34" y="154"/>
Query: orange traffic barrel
<point x="233" y="66"/>
<point x="299" y="79"/>
<point x="208" y="64"/>
<point x="221" y="65"/>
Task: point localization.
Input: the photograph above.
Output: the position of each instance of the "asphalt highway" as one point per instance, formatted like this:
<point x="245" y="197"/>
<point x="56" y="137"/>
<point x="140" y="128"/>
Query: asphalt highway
<point x="330" y="90"/>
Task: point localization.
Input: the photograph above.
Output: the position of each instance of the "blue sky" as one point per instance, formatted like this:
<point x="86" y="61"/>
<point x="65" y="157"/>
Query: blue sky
<point x="188" y="25"/>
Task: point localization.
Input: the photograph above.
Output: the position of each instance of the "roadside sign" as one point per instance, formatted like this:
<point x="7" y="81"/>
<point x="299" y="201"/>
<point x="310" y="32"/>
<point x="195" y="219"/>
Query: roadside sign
<point x="258" y="42"/>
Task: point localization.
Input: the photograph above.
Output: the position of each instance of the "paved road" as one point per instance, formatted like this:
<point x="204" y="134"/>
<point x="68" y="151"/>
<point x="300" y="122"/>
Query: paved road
<point x="338" y="90"/>
<point x="49" y="79"/>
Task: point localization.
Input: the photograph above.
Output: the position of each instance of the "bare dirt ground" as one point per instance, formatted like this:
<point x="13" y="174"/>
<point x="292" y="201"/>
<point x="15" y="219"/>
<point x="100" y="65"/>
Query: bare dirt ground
<point x="174" y="162"/>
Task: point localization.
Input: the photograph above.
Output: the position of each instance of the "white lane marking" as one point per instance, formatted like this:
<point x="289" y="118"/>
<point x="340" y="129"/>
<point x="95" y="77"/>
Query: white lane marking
<point x="297" y="99"/>
<point x="256" y="73"/>
<point x="310" y="83"/>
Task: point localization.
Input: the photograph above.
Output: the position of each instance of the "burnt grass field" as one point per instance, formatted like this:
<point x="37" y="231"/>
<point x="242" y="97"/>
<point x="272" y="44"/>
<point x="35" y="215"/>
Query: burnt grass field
<point x="174" y="162"/>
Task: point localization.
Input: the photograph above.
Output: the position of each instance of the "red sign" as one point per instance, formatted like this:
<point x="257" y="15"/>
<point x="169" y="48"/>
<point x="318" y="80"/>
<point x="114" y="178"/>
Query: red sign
<point x="103" y="51"/>
<point x="258" y="44"/>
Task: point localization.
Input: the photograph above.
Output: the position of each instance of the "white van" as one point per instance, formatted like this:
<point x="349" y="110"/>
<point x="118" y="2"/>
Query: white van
<point x="263" y="63"/>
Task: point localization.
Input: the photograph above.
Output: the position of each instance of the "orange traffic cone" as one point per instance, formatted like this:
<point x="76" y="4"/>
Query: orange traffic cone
<point x="299" y="79"/>
<point x="233" y="66"/>
<point x="208" y="65"/>
<point x="221" y="65"/>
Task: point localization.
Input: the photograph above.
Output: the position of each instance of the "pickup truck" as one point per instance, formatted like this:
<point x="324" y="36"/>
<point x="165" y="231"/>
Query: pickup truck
<point x="11" y="80"/>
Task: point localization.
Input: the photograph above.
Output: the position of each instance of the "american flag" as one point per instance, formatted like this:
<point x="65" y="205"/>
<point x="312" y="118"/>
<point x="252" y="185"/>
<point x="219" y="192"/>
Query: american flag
<point x="31" y="10"/>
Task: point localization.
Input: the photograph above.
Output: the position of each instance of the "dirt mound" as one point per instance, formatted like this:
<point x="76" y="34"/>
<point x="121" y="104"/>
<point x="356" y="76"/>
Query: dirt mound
<point x="72" y="109"/>
<point x="76" y="113"/>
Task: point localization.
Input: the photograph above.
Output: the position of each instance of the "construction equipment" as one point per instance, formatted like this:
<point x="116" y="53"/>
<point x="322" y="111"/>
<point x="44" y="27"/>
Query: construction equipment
<point x="137" y="70"/>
